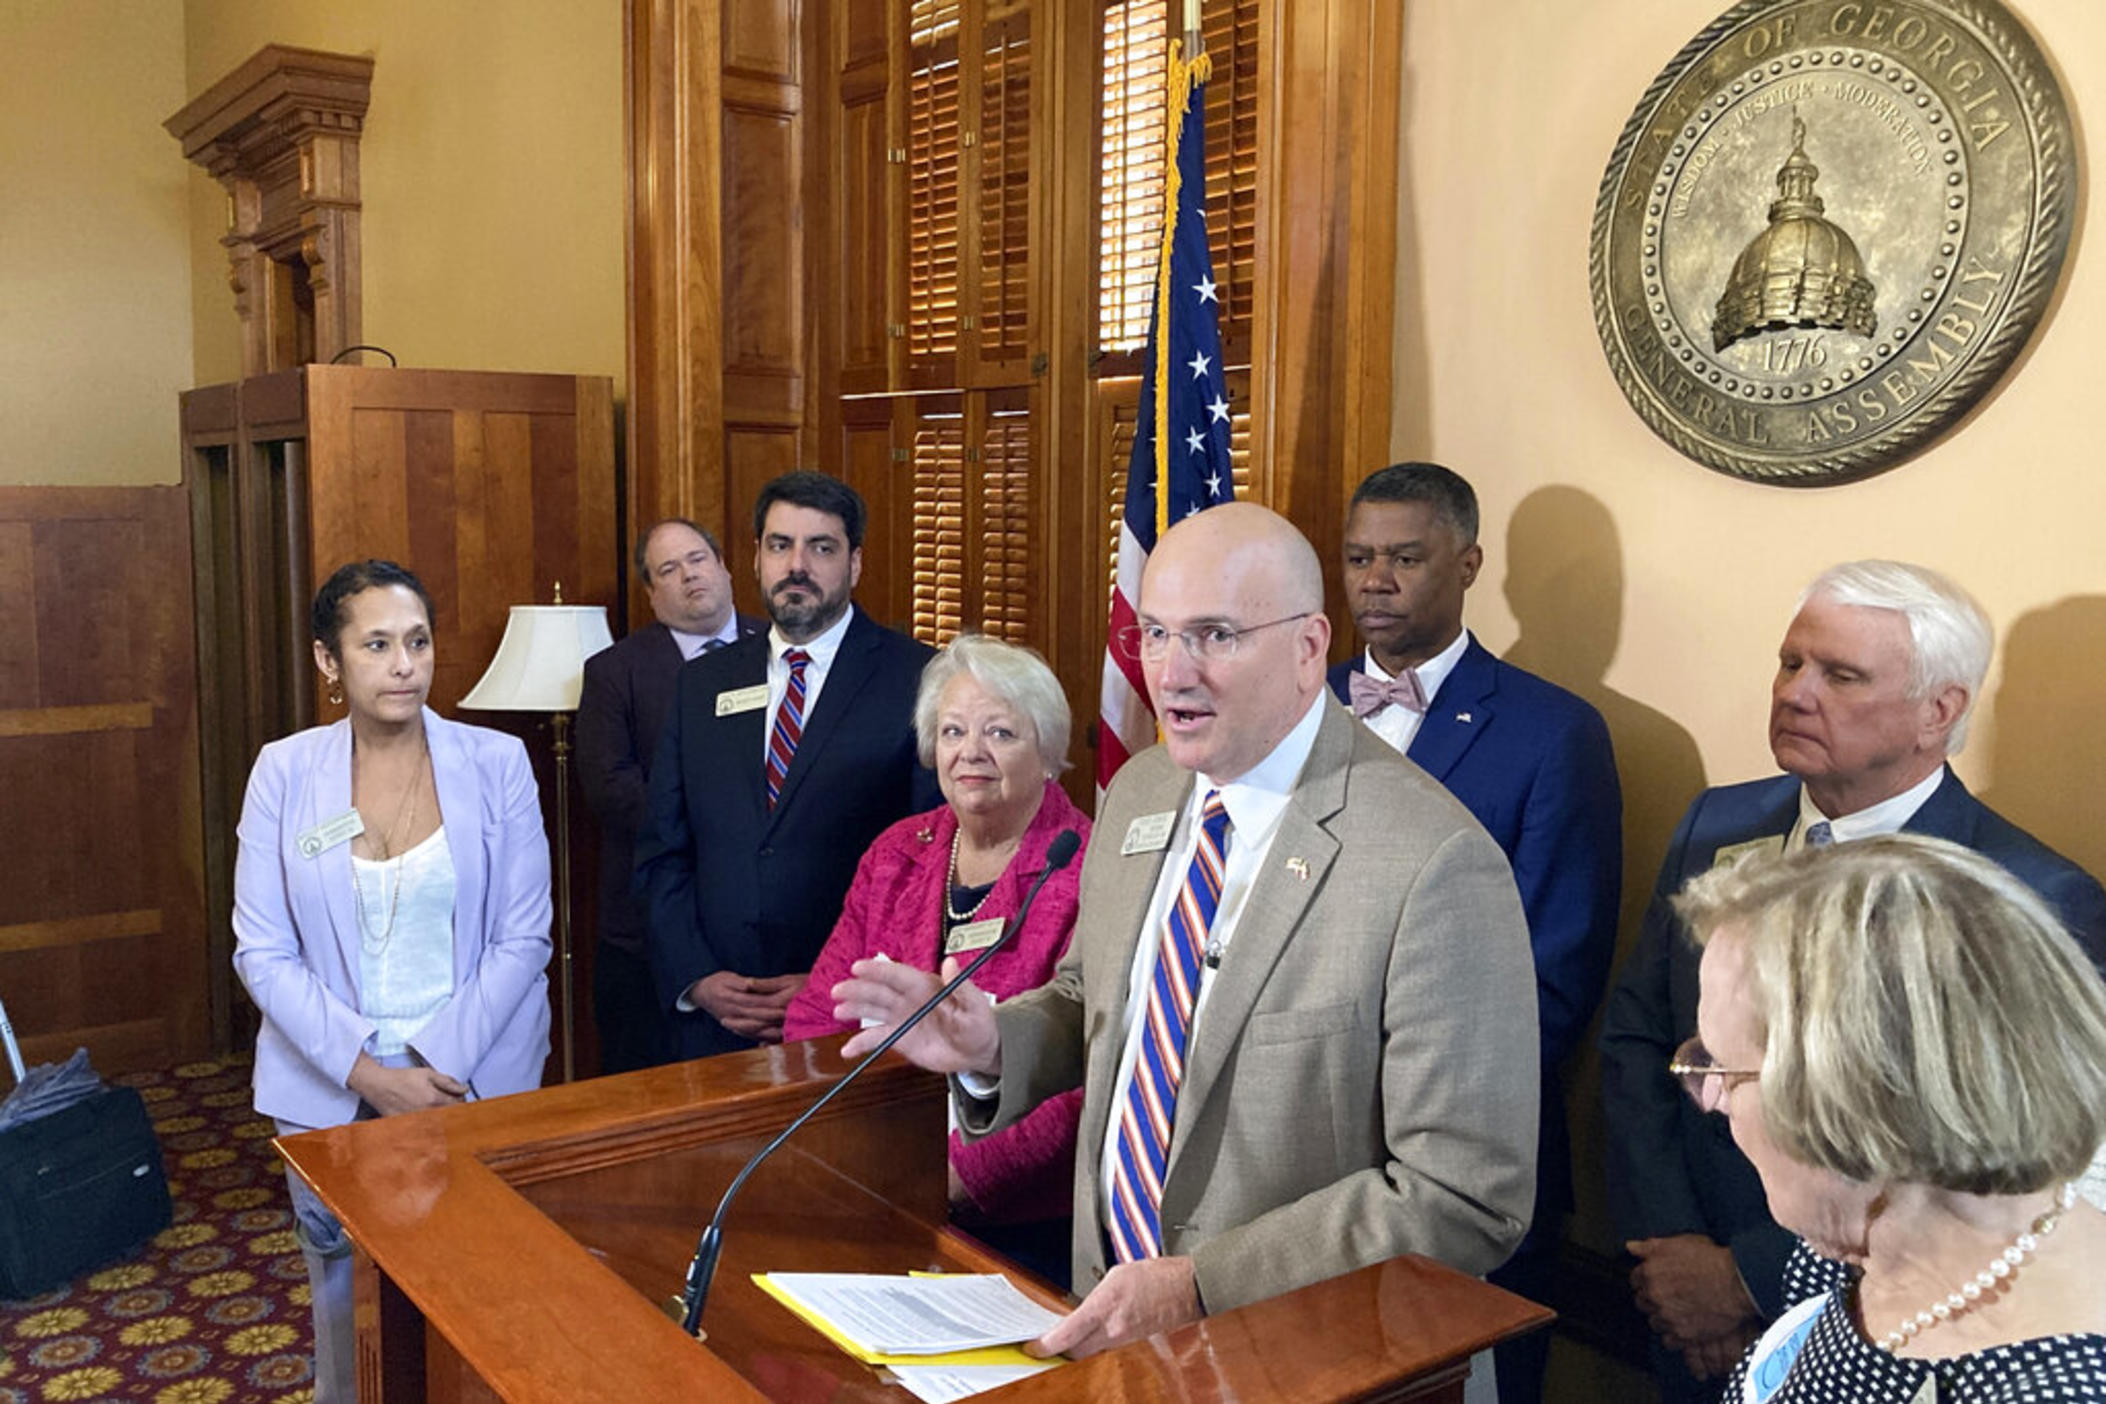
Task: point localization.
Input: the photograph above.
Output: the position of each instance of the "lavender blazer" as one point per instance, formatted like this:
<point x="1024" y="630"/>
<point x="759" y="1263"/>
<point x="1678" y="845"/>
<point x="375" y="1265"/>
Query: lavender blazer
<point x="296" y="922"/>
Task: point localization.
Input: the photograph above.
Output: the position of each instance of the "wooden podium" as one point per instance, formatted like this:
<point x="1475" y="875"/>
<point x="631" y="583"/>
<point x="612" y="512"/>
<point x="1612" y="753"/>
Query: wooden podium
<point x="521" y="1249"/>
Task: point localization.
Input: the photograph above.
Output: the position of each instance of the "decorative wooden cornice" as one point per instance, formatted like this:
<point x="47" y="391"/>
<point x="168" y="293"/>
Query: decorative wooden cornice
<point x="281" y="133"/>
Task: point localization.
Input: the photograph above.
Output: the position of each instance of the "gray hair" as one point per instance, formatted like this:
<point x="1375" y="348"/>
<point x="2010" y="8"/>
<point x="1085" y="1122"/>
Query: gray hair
<point x="1927" y="1018"/>
<point x="1949" y="634"/>
<point x="1016" y="675"/>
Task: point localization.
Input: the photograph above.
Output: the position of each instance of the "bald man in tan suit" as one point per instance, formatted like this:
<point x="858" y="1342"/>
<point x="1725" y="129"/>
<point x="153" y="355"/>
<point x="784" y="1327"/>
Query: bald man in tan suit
<point x="1359" y="1077"/>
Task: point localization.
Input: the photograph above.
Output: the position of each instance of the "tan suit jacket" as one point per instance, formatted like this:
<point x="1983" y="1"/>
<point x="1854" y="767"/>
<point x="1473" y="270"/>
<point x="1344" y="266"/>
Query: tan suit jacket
<point x="1362" y="1080"/>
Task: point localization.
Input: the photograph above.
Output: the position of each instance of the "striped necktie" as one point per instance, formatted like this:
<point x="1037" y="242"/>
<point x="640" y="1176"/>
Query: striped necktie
<point x="1150" y="1107"/>
<point x="789" y="724"/>
<point x="1819" y="834"/>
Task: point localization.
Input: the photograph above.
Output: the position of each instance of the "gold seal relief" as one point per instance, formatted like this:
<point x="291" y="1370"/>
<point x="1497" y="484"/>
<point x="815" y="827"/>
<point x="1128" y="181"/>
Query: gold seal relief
<point x="1828" y="229"/>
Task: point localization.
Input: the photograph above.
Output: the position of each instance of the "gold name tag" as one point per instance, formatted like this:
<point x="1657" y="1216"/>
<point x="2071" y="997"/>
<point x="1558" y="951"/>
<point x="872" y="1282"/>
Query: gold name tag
<point x="331" y="832"/>
<point x="973" y="936"/>
<point x="742" y="699"/>
<point x="1149" y="834"/>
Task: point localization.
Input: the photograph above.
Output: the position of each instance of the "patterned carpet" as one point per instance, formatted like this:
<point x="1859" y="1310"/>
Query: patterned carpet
<point x="214" y="1311"/>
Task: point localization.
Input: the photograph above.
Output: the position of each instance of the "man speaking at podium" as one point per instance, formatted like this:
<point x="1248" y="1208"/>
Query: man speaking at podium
<point x="1299" y="996"/>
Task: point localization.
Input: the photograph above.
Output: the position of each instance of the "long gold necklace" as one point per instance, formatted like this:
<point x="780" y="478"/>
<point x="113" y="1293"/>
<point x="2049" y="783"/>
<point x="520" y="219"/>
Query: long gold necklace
<point x="387" y="850"/>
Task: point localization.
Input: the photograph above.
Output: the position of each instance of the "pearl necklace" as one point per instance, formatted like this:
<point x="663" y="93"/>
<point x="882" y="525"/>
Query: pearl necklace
<point x="950" y="885"/>
<point x="1999" y="1271"/>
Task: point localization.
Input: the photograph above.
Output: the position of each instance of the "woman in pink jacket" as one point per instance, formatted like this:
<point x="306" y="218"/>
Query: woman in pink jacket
<point x="993" y="724"/>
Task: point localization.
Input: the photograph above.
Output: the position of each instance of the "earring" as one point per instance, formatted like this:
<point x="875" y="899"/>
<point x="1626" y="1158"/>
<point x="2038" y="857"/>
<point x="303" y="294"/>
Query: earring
<point x="336" y="690"/>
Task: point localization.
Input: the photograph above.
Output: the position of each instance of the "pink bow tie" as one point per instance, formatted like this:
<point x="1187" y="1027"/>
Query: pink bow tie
<point x="1371" y="695"/>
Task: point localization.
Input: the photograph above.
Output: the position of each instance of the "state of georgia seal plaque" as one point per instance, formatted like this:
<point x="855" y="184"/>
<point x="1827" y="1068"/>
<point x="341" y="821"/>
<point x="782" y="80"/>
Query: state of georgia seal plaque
<point x="1828" y="228"/>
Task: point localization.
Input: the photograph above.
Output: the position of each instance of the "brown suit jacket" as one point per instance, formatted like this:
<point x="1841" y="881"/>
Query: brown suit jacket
<point x="1362" y="1081"/>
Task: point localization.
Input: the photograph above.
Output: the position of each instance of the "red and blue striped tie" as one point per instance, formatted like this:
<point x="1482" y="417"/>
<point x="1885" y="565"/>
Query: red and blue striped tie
<point x="1159" y="1068"/>
<point x="789" y="724"/>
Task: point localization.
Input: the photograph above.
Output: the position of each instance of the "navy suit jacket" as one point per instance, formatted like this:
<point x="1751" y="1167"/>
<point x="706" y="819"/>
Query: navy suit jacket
<point x="1534" y="764"/>
<point x="1673" y="1169"/>
<point x="730" y="884"/>
<point x="621" y="711"/>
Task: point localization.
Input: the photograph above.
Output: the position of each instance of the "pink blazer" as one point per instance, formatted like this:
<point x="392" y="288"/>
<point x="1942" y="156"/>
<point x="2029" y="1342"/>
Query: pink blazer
<point x="296" y="923"/>
<point x="895" y="906"/>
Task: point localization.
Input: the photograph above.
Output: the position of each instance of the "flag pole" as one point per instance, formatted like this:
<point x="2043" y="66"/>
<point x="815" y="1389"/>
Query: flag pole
<point x="1195" y="39"/>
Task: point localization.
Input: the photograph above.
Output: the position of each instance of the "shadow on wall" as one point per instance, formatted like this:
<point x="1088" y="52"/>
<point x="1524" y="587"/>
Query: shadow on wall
<point x="2046" y="768"/>
<point x="1564" y="584"/>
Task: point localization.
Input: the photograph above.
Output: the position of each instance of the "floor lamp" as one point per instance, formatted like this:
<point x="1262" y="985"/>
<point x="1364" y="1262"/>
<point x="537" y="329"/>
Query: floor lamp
<point x="540" y="667"/>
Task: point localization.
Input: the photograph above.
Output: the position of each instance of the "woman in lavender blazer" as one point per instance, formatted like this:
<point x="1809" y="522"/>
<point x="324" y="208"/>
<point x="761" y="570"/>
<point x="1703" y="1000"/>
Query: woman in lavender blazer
<point x="993" y="724"/>
<point x="391" y="909"/>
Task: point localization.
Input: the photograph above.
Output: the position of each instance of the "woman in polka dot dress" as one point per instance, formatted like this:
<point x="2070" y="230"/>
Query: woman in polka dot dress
<point x="1912" y="1053"/>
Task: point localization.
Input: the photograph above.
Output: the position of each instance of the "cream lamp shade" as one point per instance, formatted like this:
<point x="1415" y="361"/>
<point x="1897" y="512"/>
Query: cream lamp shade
<point x="540" y="662"/>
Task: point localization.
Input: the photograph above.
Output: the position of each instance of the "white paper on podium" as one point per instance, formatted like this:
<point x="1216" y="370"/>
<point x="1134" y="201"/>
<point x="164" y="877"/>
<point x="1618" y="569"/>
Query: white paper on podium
<point x="919" y="1315"/>
<point x="940" y="1384"/>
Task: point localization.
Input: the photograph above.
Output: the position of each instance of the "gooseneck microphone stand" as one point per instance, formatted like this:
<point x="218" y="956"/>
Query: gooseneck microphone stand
<point x="703" y="1268"/>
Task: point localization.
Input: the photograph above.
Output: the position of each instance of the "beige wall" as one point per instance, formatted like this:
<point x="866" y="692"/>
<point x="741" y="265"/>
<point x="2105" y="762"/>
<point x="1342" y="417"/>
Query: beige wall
<point x="491" y="169"/>
<point x="94" y="264"/>
<point x="1661" y="587"/>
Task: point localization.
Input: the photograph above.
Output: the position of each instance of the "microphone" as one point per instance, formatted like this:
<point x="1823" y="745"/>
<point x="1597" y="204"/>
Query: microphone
<point x="703" y="1268"/>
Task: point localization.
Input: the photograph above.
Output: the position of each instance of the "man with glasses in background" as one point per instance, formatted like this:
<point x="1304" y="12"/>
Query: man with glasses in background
<point x="1300" y="962"/>
<point x="1875" y="679"/>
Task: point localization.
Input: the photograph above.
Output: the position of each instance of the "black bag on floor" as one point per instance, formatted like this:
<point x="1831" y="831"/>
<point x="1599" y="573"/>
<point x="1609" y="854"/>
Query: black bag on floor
<point x="80" y="1187"/>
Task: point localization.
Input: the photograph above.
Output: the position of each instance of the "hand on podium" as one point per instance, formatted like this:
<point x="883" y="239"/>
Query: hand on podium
<point x="959" y="1035"/>
<point x="1134" y="1300"/>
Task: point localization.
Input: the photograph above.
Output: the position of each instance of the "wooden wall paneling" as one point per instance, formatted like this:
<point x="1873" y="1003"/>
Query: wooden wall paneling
<point x="1326" y="261"/>
<point x="673" y="77"/>
<point x="1073" y="634"/>
<point x="870" y="448"/>
<point x="763" y="250"/>
<point x="859" y="275"/>
<point x="751" y="457"/>
<point x="102" y="932"/>
<point x="764" y="328"/>
<point x="18" y="634"/>
<point x="602" y="553"/>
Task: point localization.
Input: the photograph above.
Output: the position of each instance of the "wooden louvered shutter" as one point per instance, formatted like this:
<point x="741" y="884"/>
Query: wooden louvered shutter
<point x="939" y="527"/>
<point x="998" y="222"/>
<point x="931" y="326"/>
<point x="1130" y="171"/>
<point x="1231" y="28"/>
<point x="1008" y="523"/>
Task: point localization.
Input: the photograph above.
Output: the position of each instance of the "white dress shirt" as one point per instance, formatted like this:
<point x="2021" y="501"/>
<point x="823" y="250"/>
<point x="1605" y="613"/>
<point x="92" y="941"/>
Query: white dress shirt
<point x="822" y="650"/>
<point x="1398" y="725"/>
<point x="1254" y="802"/>
<point x="1886" y="817"/>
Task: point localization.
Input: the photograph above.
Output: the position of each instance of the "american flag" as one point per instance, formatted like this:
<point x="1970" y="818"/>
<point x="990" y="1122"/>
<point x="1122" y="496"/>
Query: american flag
<point x="1180" y="458"/>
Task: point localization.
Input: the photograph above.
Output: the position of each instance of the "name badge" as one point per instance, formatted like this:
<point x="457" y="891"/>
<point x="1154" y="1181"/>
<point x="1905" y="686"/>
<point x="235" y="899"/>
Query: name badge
<point x="331" y="832"/>
<point x="973" y="936"/>
<point x="1770" y="1363"/>
<point x="1149" y="834"/>
<point x="1733" y="852"/>
<point x="742" y="699"/>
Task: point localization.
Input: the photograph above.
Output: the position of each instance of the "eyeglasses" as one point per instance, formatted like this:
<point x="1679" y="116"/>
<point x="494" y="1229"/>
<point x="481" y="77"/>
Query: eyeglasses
<point x="1702" y="1078"/>
<point x="1210" y="643"/>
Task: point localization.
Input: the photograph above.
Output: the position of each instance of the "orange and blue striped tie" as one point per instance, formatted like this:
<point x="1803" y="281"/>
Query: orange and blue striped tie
<point x="1150" y="1107"/>
<point x="789" y="724"/>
